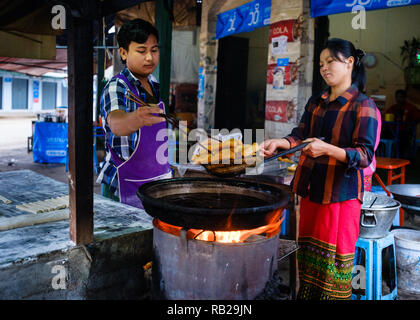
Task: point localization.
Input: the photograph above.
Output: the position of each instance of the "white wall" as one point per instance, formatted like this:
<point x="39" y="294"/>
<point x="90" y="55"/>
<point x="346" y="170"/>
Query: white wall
<point x="385" y="33"/>
<point x="185" y="58"/>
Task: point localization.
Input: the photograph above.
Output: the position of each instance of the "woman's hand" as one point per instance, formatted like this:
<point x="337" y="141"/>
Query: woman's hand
<point x="315" y="148"/>
<point x="269" y="147"/>
<point x="319" y="148"/>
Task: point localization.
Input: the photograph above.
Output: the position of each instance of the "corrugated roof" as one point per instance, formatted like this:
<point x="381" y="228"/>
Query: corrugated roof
<point x="35" y="67"/>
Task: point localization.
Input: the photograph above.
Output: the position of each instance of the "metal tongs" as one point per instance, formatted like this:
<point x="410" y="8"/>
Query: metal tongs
<point x="170" y="118"/>
<point x="291" y="150"/>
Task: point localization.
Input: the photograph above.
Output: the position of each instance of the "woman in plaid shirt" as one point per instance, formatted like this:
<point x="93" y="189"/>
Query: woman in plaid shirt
<point x="329" y="177"/>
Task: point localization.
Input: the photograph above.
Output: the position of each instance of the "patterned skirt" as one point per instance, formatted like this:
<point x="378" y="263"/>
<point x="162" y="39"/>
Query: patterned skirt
<point x="327" y="240"/>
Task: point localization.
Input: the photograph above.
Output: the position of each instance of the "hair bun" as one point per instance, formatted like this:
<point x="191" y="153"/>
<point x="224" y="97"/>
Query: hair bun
<point x="360" y="53"/>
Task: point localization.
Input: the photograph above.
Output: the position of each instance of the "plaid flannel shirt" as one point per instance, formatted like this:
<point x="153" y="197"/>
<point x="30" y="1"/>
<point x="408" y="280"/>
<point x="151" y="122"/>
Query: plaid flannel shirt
<point x="348" y="122"/>
<point x="113" y="98"/>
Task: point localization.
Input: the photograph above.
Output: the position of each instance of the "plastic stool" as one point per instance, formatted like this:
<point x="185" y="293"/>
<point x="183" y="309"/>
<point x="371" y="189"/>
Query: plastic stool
<point x="374" y="267"/>
<point x="388" y="147"/>
<point x="382" y="244"/>
<point x="367" y="247"/>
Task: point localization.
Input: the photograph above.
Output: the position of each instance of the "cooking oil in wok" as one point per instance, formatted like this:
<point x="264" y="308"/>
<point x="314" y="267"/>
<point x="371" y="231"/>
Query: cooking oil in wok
<point x="215" y="200"/>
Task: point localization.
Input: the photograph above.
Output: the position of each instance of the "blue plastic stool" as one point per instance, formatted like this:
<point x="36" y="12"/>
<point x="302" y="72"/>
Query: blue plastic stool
<point x="367" y="247"/>
<point x="374" y="267"/>
<point x="388" y="143"/>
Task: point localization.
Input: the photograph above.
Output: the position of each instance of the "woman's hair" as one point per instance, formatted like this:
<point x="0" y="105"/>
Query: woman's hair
<point x="346" y="49"/>
<point x="137" y="30"/>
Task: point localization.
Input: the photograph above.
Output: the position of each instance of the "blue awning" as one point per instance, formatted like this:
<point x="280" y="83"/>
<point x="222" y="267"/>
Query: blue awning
<point x="245" y="18"/>
<point x="327" y="7"/>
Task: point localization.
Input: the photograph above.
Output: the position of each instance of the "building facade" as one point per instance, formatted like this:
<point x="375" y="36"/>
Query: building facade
<point x="279" y="63"/>
<point x="27" y="94"/>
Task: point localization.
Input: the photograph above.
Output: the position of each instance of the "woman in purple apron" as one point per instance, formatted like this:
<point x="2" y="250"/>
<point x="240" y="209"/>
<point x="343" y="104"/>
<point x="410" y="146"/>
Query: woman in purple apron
<point x="135" y="138"/>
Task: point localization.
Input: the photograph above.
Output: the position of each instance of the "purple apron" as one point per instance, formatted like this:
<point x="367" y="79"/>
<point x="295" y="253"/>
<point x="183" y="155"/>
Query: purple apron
<point x="148" y="161"/>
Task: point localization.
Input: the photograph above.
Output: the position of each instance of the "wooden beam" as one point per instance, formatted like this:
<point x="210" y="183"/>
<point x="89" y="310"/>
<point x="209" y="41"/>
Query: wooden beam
<point x="80" y="117"/>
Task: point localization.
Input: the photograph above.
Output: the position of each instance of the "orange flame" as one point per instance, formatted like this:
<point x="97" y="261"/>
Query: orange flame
<point x="271" y="228"/>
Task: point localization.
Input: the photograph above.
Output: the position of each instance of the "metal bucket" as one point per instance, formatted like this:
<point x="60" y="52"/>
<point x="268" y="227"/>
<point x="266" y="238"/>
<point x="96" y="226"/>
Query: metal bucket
<point x="407" y="250"/>
<point x="377" y="214"/>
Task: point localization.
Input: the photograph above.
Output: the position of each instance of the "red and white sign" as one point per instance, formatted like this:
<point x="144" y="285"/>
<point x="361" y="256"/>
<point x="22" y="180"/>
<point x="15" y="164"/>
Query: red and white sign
<point x="283" y="28"/>
<point x="276" y="111"/>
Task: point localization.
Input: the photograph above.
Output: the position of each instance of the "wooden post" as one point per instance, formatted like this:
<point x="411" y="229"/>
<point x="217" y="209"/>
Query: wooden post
<point x="100" y="68"/>
<point x="80" y="137"/>
<point x="163" y="24"/>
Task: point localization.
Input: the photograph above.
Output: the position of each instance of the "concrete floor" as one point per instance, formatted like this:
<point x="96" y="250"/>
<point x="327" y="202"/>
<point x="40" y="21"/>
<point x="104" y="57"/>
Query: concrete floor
<point x="14" y="132"/>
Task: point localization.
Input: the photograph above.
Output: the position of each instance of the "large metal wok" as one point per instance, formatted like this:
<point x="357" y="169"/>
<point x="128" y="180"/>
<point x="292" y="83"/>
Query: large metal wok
<point x="212" y="203"/>
<point x="408" y="195"/>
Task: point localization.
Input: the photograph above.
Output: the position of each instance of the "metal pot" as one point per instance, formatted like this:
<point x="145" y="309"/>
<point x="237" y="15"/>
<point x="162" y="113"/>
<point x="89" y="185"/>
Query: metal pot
<point x="377" y="214"/>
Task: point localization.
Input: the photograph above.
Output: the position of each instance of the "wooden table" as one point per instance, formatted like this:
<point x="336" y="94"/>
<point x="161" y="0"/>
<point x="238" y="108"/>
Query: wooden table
<point x="391" y="164"/>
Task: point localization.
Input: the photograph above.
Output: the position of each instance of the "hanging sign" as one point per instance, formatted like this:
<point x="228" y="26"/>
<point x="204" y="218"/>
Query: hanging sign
<point x="245" y="18"/>
<point x="326" y="7"/>
<point x="228" y="23"/>
<point x="35" y="91"/>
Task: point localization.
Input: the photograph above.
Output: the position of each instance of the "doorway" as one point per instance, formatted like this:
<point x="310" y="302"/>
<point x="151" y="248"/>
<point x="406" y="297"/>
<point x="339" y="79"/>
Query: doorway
<point x="242" y="80"/>
<point x="49" y="95"/>
<point x="232" y="65"/>
<point x="19" y="94"/>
